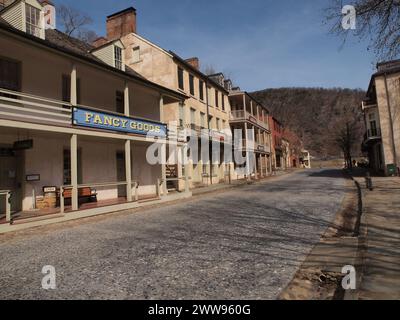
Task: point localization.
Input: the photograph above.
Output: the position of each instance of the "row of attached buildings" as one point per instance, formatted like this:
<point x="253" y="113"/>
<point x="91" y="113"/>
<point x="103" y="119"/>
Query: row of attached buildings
<point x="381" y="110"/>
<point x="87" y="129"/>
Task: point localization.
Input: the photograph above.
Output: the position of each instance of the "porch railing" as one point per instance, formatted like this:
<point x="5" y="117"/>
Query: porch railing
<point x="244" y="115"/>
<point x="135" y="185"/>
<point x="26" y="107"/>
<point x="374" y="133"/>
<point x="7" y="194"/>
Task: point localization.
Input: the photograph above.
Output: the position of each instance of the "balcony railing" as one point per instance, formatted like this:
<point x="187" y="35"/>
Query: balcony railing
<point x="373" y="133"/>
<point x="367" y="104"/>
<point x="242" y="115"/>
<point x="26" y="107"/>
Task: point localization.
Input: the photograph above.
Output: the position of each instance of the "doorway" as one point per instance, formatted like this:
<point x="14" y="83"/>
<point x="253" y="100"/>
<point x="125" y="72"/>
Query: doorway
<point x="11" y="176"/>
<point x="121" y="174"/>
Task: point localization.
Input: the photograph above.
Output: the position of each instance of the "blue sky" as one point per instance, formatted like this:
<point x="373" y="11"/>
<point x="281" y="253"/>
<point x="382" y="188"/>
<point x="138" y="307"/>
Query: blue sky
<point x="259" y="43"/>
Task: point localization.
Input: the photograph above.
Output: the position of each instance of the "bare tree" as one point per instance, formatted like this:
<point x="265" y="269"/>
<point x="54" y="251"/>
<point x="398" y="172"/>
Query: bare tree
<point x="209" y="70"/>
<point x="345" y="131"/>
<point x="376" y="20"/>
<point x="88" y="36"/>
<point x="74" y="23"/>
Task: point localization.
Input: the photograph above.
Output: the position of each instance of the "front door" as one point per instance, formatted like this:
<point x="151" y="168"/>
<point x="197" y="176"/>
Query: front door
<point x="11" y="175"/>
<point x="121" y="174"/>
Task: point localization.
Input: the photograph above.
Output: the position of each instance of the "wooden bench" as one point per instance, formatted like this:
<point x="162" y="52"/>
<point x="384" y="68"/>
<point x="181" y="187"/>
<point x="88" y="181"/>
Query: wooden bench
<point x="85" y="193"/>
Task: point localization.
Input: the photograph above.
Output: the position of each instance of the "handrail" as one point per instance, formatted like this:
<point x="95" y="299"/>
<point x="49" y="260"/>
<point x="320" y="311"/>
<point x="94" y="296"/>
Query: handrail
<point x="31" y="96"/>
<point x="7" y="193"/>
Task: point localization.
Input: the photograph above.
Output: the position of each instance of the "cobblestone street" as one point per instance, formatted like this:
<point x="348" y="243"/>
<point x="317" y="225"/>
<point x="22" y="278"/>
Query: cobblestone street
<point x="245" y="243"/>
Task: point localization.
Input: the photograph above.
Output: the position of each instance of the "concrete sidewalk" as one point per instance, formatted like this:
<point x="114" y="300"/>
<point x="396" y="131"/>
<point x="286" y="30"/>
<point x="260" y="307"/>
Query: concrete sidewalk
<point x="380" y="229"/>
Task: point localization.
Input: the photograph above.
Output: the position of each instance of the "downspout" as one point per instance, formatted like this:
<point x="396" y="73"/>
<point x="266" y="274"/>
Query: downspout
<point x="391" y="121"/>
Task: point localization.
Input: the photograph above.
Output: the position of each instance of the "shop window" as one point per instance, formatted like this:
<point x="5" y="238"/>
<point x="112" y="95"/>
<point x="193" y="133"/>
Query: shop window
<point x="67" y="167"/>
<point x="119" y="102"/>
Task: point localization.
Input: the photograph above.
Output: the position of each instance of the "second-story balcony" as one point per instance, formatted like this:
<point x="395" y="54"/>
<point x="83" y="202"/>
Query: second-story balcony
<point x="242" y="115"/>
<point x="372" y="135"/>
<point x="369" y="104"/>
<point x="38" y="110"/>
<point x="29" y="108"/>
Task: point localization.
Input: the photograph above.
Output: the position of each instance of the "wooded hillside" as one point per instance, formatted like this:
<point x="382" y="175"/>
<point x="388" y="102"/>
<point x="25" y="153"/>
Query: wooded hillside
<point x="315" y="114"/>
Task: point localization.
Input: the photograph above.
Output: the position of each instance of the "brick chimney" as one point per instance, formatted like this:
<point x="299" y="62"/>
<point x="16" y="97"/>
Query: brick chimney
<point x="121" y="24"/>
<point x="194" y="62"/>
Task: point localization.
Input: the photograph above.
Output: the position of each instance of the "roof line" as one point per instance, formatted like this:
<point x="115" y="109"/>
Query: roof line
<point x="122" y="11"/>
<point x="187" y="64"/>
<point x="39" y="41"/>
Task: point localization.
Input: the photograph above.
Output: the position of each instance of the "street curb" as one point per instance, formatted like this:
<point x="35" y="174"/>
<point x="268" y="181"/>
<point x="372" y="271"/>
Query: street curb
<point x="339" y="293"/>
<point x="361" y="234"/>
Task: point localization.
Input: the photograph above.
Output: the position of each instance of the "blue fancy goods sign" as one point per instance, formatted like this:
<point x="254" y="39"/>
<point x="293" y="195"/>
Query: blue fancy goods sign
<point x="107" y="121"/>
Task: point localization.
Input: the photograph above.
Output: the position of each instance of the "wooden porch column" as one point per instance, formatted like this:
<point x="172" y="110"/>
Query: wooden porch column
<point x="161" y="108"/>
<point x="247" y="152"/>
<point x="179" y="155"/>
<point x="251" y="108"/>
<point x="126" y="100"/>
<point x="244" y="105"/>
<point x="254" y="153"/>
<point x="164" y="168"/>
<point x="184" y="157"/>
<point x="128" y="149"/>
<point x="128" y="170"/>
<point x="74" y="143"/>
<point x="74" y="171"/>
<point x="8" y="207"/>
<point x="163" y="151"/>
<point x="74" y="91"/>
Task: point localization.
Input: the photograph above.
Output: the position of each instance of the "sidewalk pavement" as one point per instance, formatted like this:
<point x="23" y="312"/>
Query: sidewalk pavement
<point x="380" y="229"/>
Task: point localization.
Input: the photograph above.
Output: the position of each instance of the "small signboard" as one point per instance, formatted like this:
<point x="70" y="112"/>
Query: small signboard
<point x="33" y="177"/>
<point x="49" y="189"/>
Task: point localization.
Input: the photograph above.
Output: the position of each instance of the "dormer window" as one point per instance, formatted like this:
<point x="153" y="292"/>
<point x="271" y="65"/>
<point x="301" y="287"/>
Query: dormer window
<point x="111" y="53"/>
<point x="26" y="16"/>
<point x="118" y="57"/>
<point x="33" y="21"/>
